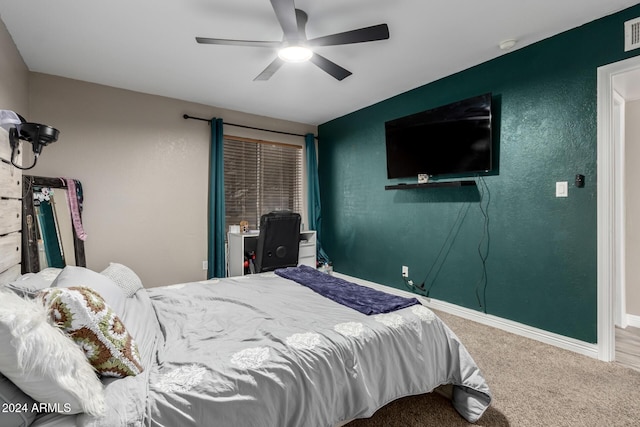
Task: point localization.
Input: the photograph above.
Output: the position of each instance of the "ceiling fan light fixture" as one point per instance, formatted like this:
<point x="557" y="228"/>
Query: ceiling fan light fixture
<point x="295" y="54"/>
<point x="294" y="45"/>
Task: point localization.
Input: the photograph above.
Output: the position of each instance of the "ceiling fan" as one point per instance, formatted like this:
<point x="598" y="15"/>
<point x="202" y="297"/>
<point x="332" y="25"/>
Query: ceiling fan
<point x="295" y="47"/>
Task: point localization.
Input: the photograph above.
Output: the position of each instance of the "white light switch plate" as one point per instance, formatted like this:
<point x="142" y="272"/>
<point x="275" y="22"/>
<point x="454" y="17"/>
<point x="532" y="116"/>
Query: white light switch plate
<point x="562" y="189"/>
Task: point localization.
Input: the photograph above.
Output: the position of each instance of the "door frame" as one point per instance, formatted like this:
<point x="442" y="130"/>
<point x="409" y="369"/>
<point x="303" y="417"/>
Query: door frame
<point x="610" y="206"/>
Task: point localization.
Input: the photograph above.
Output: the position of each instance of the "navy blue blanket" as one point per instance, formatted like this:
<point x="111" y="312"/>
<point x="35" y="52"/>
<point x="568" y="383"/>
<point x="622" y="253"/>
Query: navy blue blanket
<point x="365" y="300"/>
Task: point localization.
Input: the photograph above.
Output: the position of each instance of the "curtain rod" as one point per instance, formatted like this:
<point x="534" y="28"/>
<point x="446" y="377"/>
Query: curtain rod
<point x="186" y="116"/>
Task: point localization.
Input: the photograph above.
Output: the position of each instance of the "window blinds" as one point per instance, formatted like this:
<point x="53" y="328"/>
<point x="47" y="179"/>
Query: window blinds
<point x="260" y="177"/>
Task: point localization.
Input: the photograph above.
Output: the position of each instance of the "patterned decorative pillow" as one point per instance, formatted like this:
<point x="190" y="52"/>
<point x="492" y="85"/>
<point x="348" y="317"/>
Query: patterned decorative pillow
<point x="95" y="327"/>
<point x="72" y="276"/>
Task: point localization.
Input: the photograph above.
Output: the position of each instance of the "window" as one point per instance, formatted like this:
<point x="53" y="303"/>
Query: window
<point x="260" y="177"/>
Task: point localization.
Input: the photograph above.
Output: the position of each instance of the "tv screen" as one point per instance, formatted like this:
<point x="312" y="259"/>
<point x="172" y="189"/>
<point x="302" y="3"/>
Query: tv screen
<point x="451" y="139"/>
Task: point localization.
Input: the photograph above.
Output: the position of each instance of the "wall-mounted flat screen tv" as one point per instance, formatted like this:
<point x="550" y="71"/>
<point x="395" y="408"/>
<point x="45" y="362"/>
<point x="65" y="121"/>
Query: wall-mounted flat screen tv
<point x="447" y="140"/>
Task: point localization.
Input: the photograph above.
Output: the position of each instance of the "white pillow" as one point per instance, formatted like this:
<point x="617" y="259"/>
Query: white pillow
<point x="42" y="361"/>
<point x="17" y="408"/>
<point x="124" y="277"/>
<point x="30" y="283"/>
<point x="73" y="277"/>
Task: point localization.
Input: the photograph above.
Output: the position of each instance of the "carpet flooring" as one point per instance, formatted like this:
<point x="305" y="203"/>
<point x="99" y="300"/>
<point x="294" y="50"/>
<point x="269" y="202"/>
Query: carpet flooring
<point x="533" y="384"/>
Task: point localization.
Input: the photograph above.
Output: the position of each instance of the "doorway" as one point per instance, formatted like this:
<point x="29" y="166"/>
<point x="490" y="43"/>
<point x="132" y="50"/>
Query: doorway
<point x="612" y="85"/>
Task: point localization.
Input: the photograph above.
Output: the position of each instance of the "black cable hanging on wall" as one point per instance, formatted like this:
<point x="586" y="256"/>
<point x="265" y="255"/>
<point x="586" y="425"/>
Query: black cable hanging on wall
<point x="186" y="116"/>
<point x="484" y="244"/>
<point x="424" y="288"/>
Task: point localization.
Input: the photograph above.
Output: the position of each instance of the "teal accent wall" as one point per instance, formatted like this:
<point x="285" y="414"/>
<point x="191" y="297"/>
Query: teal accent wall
<point x="541" y="250"/>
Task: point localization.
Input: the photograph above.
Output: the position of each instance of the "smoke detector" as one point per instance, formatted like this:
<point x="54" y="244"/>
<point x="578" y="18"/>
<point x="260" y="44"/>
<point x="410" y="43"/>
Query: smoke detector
<point x="507" y="44"/>
<point x="632" y="34"/>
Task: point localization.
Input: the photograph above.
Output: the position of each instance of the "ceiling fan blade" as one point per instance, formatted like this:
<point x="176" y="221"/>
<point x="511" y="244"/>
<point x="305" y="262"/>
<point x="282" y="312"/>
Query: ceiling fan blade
<point x="229" y="42"/>
<point x="270" y="70"/>
<point x="301" y="19"/>
<point x="286" y="13"/>
<point x="330" y="67"/>
<point x="368" y="34"/>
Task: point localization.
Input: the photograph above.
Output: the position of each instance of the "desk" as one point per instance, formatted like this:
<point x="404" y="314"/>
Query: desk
<point x="239" y="243"/>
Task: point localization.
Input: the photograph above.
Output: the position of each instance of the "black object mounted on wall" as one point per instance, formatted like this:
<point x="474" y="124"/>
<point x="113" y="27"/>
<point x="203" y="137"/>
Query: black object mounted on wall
<point x="455" y="139"/>
<point x="580" y="181"/>
<point x="37" y="134"/>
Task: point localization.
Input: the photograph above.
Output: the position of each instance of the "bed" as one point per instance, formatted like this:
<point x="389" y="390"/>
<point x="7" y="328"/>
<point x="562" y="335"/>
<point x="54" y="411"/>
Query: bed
<point x="263" y="350"/>
<point x="256" y="350"/>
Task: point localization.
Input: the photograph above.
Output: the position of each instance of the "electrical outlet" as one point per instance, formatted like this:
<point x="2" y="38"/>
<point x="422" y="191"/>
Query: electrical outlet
<point x="205" y="265"/>
<point x="405" y="271"/>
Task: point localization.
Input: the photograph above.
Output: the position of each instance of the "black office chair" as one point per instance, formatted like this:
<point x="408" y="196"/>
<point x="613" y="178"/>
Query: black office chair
<point x="278" y="242"/>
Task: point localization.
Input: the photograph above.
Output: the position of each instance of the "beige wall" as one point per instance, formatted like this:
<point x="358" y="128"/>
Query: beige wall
<point x="144" y="170"/>
<point x="632" y="198"/>
<point x="14" y="76"/>
<point x="143" y="167"/>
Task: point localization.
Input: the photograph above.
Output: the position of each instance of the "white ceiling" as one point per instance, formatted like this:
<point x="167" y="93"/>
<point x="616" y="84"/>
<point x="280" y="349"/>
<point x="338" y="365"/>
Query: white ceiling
<point x="149" y="46"/>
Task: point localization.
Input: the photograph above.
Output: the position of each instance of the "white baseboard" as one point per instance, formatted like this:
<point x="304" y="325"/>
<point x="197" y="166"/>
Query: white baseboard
<point x="571" y="344"/>
<point x="633" y="320"/>
<point x="567" y="343"/>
